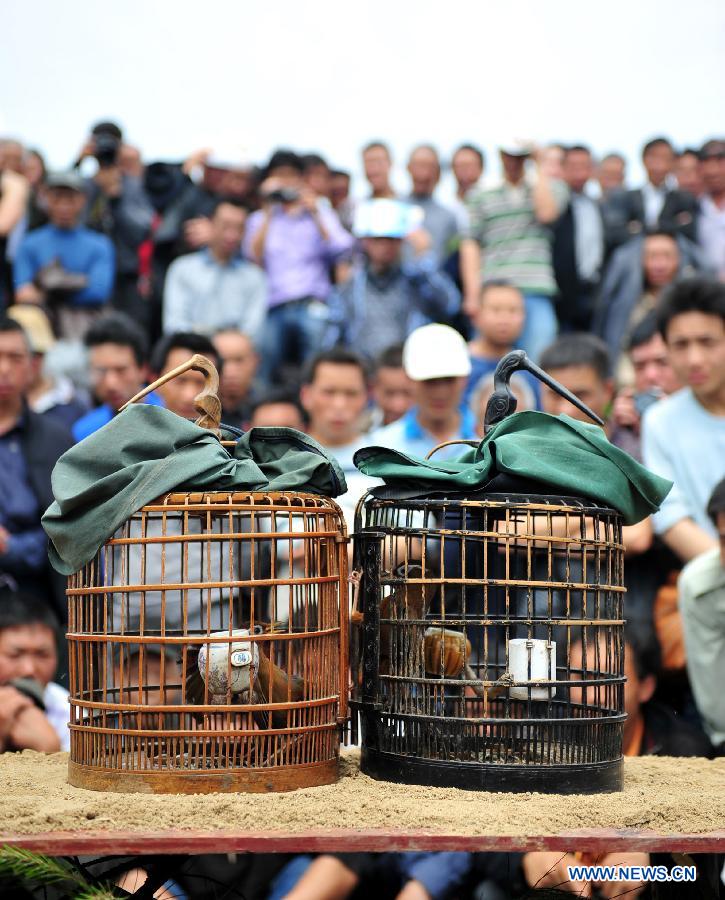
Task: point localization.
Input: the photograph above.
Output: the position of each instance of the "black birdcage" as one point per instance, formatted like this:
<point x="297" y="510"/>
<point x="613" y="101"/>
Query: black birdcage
<point x="490" y="653"/>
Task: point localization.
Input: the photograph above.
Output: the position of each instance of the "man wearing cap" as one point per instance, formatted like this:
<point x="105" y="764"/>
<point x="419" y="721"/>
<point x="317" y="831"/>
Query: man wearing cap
<point x="53" y="397"/>
<point x="711" y="222"/>
<point x="436" y="358"/>
<point x="63" y="265"/>
<point x="507" y="238"/>
<point x="386" y="298"/>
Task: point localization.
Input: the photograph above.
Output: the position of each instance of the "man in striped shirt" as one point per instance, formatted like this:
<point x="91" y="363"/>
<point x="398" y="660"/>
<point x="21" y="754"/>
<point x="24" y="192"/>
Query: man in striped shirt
<point x="508" y="238"/>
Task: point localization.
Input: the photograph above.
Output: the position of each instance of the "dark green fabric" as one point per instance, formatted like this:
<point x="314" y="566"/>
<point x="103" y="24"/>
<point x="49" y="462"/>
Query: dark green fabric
<point x="147" y="451"/>
<point x="565" y="455"/>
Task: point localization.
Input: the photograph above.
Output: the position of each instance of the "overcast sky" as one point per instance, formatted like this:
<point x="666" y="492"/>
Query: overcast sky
<point x="329" y="75"/>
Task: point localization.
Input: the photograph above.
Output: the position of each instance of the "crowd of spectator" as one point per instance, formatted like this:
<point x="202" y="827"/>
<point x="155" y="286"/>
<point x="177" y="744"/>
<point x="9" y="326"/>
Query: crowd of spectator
<point x="378" y="321"/>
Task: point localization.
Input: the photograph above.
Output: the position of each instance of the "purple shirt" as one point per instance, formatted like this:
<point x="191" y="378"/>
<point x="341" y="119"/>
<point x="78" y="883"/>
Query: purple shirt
<point x="296" y="257"/>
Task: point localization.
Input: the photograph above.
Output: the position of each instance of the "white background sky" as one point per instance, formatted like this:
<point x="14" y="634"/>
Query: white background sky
<point x="328" y="75"/>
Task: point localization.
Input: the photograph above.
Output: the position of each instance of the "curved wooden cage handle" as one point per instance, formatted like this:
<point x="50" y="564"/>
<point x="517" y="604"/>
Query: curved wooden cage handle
<point x="449" y="444"/>
<point x="207" y="403"/>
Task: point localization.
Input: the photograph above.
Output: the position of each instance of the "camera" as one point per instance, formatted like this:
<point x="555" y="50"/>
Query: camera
<point x="283" y="195"/>
<point x="105" y="150"/>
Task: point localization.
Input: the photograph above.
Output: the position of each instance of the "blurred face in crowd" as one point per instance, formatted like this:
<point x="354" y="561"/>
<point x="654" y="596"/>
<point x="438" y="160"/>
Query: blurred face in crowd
<point x="284" y="177"/>
<point x="439" y="399"/>
<point x="652" y="369"/>
<point x="239" y="365"/>
<point x="501" y="314"/>
<point x="658" y="162"/>
<point x="696" y="347"/>
<point x="65" y="207"/>
<point x="339" y="189"/>
<point x="377" y="165"/>
<point x="16" y="367"/>
<point x="179" y="393"/>
<point x="334" y="402"/>
<point x="33" y="169"/>
<point x="278" y="415"/>
<point x="129" y="161"/>
<point x="237" y="183"/>
<point x="28" y="651"/>
<point x="116" y="376"/>
<point x="585" y="383"/>
<point x="610" y="174"/>
<point x="383" y="253"/>
<point x="513" y="167"/>
<point x="393" y="392"/>
<point x="467" y="169"/>
<point x="11" y="156"/>
<point x="318" y="179"/>
<point x="713" y="173"/>
<point x="227" y="230"/>
<point x="577" y="169"/>
<point x="425" y="170"/>
<point x="552" y="161"/>
<point x="660" y="260"/>
<point x="687" y="172"/>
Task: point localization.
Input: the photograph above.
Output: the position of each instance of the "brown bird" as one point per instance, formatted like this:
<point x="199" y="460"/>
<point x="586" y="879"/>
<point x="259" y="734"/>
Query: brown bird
<point x="406" y="601"/>
<point x="269" y="680"/>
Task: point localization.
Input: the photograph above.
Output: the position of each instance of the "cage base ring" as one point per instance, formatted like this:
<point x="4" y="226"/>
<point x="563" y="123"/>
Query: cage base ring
<point x="259" y="781"/>
<point x="589" y="778"/>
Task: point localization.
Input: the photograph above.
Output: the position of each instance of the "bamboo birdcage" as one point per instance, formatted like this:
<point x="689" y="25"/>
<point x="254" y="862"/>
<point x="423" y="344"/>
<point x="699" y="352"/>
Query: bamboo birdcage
<point x="208" y="645"/>
<point x="491" y="649"/>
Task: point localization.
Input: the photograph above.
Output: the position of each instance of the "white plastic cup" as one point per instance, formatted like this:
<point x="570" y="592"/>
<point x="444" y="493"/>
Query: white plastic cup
<point x="531" y="659"/>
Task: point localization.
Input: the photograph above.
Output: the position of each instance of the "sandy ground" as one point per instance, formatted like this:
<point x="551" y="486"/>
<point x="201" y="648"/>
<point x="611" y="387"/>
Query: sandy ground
<point x="661" y="794"/>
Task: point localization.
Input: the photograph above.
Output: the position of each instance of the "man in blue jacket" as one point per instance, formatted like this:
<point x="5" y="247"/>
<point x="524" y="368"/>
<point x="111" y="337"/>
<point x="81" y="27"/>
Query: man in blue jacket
<point x="64" y="266"/>
<point x="386" y="298"/>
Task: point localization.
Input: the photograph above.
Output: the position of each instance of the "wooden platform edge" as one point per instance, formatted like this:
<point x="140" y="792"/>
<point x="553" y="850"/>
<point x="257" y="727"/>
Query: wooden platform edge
<point x="65" y="843"/>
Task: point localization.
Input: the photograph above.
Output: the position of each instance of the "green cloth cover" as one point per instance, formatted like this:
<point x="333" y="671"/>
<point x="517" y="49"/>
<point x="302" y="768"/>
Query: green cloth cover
<point x="564" y="455"/>
<point x="147" y="451"/>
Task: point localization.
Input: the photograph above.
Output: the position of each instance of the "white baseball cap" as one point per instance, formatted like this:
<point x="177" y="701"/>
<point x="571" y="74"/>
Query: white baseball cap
<point x="384" y="217"/>
<point x="516" y="147"/>
<point x="435" y="351"/>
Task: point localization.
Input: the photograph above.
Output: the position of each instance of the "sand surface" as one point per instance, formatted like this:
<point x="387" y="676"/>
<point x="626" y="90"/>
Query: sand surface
<point x="661" y="794"/>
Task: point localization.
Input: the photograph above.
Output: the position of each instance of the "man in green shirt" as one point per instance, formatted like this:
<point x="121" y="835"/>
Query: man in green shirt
<point x="702" y="602"/>
<point x="508" y="238"/>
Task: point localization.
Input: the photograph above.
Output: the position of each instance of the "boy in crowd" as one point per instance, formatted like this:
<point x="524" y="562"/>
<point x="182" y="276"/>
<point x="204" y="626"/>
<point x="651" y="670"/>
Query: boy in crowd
<point x="435" y="358"/>
<point x="499" y="321"/>
<point x="683" y="436"/>
<point x="240" y="364"/>
<point x="33" y="709"/>
<point x="580" y="362"/>
<point x="118" y="352"/>
<point x="173" y="350"/>
<point x="392" y="390"/>
<point x="653" y="379"/>
<point x="334" y="395"/>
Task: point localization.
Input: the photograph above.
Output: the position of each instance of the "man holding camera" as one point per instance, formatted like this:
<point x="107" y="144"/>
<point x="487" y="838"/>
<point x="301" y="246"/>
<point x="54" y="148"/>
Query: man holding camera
<point x="296" y="239"/>
<point x="117" y="206"/>
<point x="63" y="266"/>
